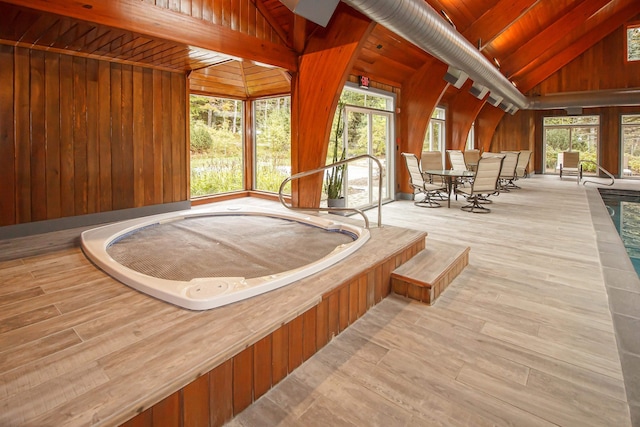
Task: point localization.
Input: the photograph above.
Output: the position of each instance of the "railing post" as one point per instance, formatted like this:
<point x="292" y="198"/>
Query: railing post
<point x="323" y="168"/>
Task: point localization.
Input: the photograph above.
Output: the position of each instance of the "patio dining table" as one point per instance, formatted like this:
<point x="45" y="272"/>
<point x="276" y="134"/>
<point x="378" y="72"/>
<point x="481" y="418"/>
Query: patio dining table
<point x="451" y="178"/>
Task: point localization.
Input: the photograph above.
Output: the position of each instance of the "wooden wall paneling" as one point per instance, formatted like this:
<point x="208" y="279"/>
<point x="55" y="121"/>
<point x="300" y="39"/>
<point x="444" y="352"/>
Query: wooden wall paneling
<point x="343" y="307"/>
<point x="235" y="15"/>
<point x="217" y="12"/>
<point x="196" y="8"/>
<point x="38" y="180"/>
<point x="309" y="338"/>
<point x="463" y="110"/>
<point x="252" y="14"/>
<point x="147" y="142"/>
<point x="178" y="136"/>
<point x="322" y="323"/>
<point x="158" y="141"/>
<point x="387" y="268"/>
<point x="262" y="366"/>
<point x="574" y="44"/>
<point x="515" y="132"/>
<point x="295" y="343"/>
<point x="173" y="5"/>
<point x="80" y="173"/>
<point x="167" y="154"/>
<point x="143" y="419"/>
<point x="166" y="413"/>
<point x="138" y="137"/>
<point x="22" y="139"/>
<point x="354" y="299"/>
<point x="207" y="10"/>
<point x="7" y="138"/>
<point x="52" y="134"/>
<point x="371" y="287"/>
<point x="185" y="6"/>
<point x="280" y="357"/>
<point x="67" y="172"/>
<point x="104" y="137"/>
<point x="127" y="136"/>
<point x="362" y="294"/>
<point x="315" y="89"/>
<point x="221" y="393"/>
<point x="377" y="291"/>
<point x="421" y="93"/>
<point x="93" y="149"/>
<point x="485" y="126"/>
<point x="333" y="313"/>
<point x="117" y="145"/>
<point x="195" y="403"/>
<point x="585" y="72"/>
<point x="242" y="380"/>
<point x="226" y="13"/>
<point x="609" y="138"/>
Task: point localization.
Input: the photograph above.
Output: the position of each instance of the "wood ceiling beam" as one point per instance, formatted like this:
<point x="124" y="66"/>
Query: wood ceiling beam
<point x="272" y="22"/>
<point x="496" y="20"/>
<point x="548" y="38"/>
<point x="149" y="20"/>
<point x="574" y="44"/>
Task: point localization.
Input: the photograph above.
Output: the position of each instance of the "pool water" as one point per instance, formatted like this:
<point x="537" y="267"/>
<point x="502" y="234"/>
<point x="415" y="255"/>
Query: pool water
<point x="624" y="208"/>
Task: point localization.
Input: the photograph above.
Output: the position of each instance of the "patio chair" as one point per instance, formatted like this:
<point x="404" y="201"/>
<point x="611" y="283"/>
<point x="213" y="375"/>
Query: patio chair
<point x="432" y="160"/>
<point x="523" y="164"/>
<point x="485" y="183"/>
<point x="456" y="158"/>
<point x="508" y="171"/>
<point x="471" y="158"/>
<point x="570" y="164"/>
<point x="420" y="186"/>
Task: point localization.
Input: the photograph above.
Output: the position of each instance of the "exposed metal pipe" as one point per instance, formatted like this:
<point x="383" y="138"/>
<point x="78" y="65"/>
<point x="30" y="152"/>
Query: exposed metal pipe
<point x="419" y="24"/>
<point x="600" y="98"/>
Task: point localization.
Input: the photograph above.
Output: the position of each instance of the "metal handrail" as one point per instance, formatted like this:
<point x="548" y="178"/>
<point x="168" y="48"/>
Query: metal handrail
<point x="602" y="170"/>
<point x="334" y="209"/>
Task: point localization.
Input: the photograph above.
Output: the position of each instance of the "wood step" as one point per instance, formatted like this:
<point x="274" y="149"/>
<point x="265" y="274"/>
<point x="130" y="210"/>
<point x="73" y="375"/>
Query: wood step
<point x="425" y="276"/>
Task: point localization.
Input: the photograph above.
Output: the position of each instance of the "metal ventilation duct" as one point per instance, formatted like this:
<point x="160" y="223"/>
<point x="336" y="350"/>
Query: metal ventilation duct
<point x="601" y="98"/>
<point x="418" y="23"/>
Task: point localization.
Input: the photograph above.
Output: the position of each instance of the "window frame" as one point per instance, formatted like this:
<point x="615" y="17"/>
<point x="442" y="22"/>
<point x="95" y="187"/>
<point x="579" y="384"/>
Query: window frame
<point x="627" y="27"/>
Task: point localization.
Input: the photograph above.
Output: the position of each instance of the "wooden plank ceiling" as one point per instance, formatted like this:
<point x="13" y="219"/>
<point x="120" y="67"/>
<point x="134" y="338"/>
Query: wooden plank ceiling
<point x="530" y="39"/>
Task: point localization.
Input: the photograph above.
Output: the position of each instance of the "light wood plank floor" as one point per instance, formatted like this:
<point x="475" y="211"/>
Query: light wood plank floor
<point x="524" y="336"/>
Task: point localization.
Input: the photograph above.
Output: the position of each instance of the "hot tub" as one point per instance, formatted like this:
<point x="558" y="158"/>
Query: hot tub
<point x="208" y="257"/>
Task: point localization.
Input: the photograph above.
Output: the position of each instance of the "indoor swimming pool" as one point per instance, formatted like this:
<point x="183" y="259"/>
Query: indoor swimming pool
<point x="624" y="209"/>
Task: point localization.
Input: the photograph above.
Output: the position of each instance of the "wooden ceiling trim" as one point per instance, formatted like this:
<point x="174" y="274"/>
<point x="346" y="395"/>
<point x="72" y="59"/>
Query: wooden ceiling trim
<point x="575" y="43"/>
<point x="138" y="17"/>
<point x="551" y="35"/>
<point x="80" y="54"/>
<point x="497" y="20"/>
<point x="539" y="16"/>
<point x="284" y="37"/>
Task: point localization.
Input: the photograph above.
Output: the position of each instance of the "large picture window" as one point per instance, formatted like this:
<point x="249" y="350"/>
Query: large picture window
<point x="216" y="145"/>
<point x="633" y="42"/>
<point x="630" y="142"/>
<point x="272" y="123"/>
<point x="434" y="137"/>
<point x="571" y="133"/>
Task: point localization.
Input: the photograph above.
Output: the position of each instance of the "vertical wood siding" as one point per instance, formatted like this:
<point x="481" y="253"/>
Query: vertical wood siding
<point x="241" y="380"/>
<point x="239" y="15"/>
<point x="80" y="136"/>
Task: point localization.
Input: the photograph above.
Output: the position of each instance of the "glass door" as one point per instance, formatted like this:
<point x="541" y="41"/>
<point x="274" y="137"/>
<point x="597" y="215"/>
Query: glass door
<point x="630" y="141"/>
<point x="572" y="133"/>
<point x="367" y="131"/>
